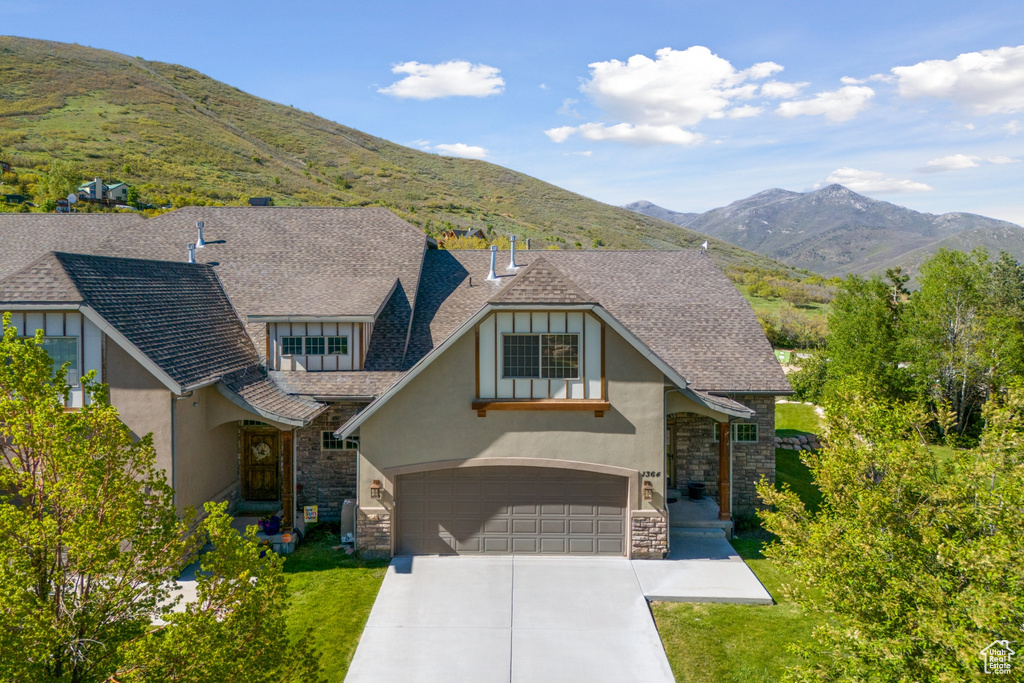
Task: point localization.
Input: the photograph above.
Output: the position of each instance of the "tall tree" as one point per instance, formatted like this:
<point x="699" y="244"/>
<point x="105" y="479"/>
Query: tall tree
<point x="912" y="559"/>
<point x="63" y="178"/>
<point x="91" y="542"/>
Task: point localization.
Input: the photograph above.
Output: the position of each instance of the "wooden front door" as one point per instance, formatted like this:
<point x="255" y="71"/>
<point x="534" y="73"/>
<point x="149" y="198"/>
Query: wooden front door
<point x="261" y="455"/>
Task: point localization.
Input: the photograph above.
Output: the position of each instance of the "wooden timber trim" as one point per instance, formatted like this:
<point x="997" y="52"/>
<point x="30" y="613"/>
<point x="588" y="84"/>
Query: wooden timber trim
<point x="288" y="486"/>
<point x="476" y="335"/>
<point x="724" y="512"/>
<point x="599" y="407"/>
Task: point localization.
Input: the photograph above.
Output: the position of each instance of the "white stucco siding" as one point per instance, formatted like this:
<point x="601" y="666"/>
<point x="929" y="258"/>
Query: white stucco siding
<point x="490" y="333"/>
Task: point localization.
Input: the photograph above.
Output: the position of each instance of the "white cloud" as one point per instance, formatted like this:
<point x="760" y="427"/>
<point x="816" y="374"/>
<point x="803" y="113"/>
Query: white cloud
<point x="454" y="78"/>
<point x="585" y="153"/>
<point x="959" y="162"/>
<point x="849" y="80"/>
<point x="1012" y="127"/>
<point x="642" y="135"/>
<point x="872" y="182"/>
<point x="560" y="134"/>
<point x="778" y="90"/>
<point x="567" y="109"/>
<point x="989" y="82"/>
<point x="459" y="149"/>
<point x="677" y="88"/>
<point x="744" y="112"/>
<point x="836" y="105"/>
<point x="543" y="86"/>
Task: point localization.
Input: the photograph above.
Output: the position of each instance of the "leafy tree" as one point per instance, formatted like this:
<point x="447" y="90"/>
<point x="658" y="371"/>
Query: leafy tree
<point x="912" y="560"/>
<point x="92" y="540"/>
<point x="134" y="196"/>
<point x="63" y="178"/>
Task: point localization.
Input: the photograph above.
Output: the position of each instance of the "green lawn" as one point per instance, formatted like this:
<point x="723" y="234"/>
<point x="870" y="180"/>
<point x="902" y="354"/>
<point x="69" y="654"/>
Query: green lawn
<point x="796" y="417"/>
<point x="716" y="643"/>
<point x="331" y="592"/>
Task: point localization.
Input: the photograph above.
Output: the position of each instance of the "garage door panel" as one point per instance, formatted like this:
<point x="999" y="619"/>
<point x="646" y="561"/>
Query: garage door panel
<point x="502" y="510"/>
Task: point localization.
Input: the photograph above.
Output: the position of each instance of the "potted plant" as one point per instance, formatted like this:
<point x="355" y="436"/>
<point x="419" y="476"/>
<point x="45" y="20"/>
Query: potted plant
<point x="695" y="490"/>
<point x="270" y="525"/>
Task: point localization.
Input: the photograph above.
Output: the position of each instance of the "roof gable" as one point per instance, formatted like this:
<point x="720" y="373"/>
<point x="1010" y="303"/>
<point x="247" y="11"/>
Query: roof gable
<point x="44" y="281"/>
<point x="541" y="283"/>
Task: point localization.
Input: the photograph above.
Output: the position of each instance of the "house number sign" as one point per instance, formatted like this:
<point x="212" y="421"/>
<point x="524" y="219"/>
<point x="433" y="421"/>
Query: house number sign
<point x="650" y="474"/>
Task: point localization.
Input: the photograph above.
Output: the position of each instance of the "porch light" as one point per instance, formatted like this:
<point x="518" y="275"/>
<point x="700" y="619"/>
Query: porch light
<point x="375" y="489"/>
<point x="648" y="491"/>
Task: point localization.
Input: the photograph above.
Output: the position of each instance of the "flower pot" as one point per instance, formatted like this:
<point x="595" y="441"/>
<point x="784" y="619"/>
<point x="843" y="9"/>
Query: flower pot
<point x="695" y="490"/>
<point x="271" y="526"/>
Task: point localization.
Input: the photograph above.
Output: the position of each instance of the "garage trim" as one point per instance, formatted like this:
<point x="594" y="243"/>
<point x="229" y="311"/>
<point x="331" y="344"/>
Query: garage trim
<point x="632" y="477"/>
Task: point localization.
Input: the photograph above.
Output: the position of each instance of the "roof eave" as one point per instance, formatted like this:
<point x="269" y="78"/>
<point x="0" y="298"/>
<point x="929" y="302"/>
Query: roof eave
<point x="273" y="417"/>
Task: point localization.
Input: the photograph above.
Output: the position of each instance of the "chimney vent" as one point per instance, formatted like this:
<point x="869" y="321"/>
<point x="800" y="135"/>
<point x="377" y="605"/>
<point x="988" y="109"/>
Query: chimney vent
<point x="201" y="243"/>
<point x="494" y="257"/>
<point x="512" y="253"/>
<point x="191" y="252"/>
<point x="97" y="186"/>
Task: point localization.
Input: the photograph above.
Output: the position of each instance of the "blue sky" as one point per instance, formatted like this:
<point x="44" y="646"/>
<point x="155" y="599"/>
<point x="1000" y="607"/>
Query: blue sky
<point x="688" y="104"/>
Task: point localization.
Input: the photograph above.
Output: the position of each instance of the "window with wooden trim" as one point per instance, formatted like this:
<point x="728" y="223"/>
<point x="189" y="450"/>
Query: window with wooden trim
<point x="314" y="346"/>
<point x="63" y="350"/>
<point x="540" y="356"/>
<point x="333" y="443"/>
<point x="337" y="346"/>
<point x="291" y="346"/>
<point x="741" y="432"/>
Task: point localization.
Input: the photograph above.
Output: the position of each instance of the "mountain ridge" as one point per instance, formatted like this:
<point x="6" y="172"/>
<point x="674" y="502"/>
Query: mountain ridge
<point x="834" y="230"/>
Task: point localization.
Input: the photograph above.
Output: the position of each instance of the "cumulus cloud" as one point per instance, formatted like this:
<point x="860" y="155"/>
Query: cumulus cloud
<point x="872" y="182"/>
<point x="849" y="80"/>
<point x="777" y="90"/>
<point x="641" y="135"/>
<point x="454" y="78"/>
<point x="989" y="82"/>
<point x="744" y="112"/>
<point x="560" y="134"/>
<point x="836" y="105"/>
<point x="459" y="149"/>
<point x="958" y="162"/>
<point x="1012" y="127"/>
<point x="567" y="108"/>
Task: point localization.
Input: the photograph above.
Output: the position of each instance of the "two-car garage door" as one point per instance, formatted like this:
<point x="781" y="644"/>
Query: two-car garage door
<point x="511" y="510"/>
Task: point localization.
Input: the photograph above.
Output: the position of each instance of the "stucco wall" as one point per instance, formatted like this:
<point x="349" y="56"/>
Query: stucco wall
<point x="697" y="453"/>
<point x="143" y="402"/>
<point x="431" y="419"/>
<point x="207" y="458"/>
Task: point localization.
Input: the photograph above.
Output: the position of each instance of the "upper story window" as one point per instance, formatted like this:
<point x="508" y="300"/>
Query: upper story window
<point x="64" y="350"/>
<point x="314" y="346"/>
<point x="540" y="356"/>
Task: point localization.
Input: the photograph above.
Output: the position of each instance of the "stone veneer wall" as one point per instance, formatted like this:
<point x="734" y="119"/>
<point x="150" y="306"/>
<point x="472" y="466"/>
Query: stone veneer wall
<point x="327" y="477"/>
<point x="697" y="453"/>
<point x="373" y="533"/>
<point x="649" y="536"/>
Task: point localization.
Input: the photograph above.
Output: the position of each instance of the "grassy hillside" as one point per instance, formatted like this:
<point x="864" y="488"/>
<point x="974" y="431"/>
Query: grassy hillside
<point x="183" y="138"/>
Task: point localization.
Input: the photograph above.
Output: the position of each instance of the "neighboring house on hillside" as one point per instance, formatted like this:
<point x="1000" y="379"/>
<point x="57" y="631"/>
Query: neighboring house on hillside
<point x="329" y="354"/>
<point x="455" y="234"/>
<point x="261" y="201"/>
<point x="5" y="167"/>
<point x="97" y="190"/>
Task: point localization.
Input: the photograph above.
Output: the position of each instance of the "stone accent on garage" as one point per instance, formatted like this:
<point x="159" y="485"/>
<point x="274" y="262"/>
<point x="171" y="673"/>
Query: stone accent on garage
<point x="649" y="535"/>
<point x="373" y="532"/>
<point x="697" y="453"/>
<point x="325" y="477"/>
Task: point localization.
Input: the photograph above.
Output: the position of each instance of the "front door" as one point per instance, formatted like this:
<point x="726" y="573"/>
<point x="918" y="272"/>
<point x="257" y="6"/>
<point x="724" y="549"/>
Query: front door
<point x="261" y="453"/>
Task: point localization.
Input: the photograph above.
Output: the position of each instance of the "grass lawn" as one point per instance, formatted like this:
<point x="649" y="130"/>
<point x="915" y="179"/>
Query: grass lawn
<point x="796" y="417"/>
<point x="748" y="643"/>
<point x="331" y="592"/>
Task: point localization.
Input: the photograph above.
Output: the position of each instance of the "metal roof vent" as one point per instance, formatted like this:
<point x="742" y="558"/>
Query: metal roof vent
<point x="494" y="257"/>
<point x="201" y="242"/>
<point x="191" y="252"/>
<point x="512" y="259"/>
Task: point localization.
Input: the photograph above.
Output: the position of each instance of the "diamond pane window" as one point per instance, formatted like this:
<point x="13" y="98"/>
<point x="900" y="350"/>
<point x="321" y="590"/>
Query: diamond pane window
<point x="291" y="346"/>
<point x="337" y="345"/>
<point x="314" y="346"/>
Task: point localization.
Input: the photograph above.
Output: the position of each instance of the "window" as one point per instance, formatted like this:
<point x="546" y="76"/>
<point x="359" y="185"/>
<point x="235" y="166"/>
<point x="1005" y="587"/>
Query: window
<point x="742" y="432"/>
<point x="63" y="350"/>
<point x="291" y="346"/>
<point x="332" y="443"/>
<point x="337" y="345"/>
<point x="314" y="346"/>
<point x="540" y="356"/>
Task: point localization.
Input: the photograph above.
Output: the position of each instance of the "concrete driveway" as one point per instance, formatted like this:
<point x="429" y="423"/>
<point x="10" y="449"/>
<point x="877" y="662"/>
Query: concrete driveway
<point x="512" y="619"/>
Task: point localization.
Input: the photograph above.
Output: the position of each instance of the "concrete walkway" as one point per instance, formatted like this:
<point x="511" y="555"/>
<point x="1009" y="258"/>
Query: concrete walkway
<point x="701" y="567"/>
<point x="510" y="619"/>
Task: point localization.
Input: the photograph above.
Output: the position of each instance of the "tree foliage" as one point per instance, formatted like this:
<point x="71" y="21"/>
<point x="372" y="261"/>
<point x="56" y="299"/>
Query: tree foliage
<point x="912" y="559"/>
<point x="63" y="179"/>
<point x="92" y="541"/>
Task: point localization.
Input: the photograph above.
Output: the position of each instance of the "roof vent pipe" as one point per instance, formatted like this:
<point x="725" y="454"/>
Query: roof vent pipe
<point x="201" y="242"/>
<point x="494" y="258"/>
<point x="191" y="252"/>
<point x="512" y="259"/>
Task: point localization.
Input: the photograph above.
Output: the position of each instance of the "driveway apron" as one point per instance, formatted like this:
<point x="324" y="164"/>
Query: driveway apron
<point x="510" y="618"/>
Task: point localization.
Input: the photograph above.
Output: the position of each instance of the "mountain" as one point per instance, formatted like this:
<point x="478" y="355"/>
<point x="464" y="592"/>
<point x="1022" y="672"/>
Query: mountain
<point x="835" y="231"/>
<point x="654" y="211"/>
<point x="183" y="138"/>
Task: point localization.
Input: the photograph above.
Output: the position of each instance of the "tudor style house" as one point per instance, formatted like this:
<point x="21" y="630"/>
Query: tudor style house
<point x="543" y="402"/>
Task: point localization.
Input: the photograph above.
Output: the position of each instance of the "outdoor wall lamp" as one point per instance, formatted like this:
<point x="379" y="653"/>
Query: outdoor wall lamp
<point x="648" y="491"/>
<point x="375" y="489"/>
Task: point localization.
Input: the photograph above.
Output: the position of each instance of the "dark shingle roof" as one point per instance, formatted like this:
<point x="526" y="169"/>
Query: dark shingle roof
<point x="678" y="303"/>
<point x="541" y="283"/>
